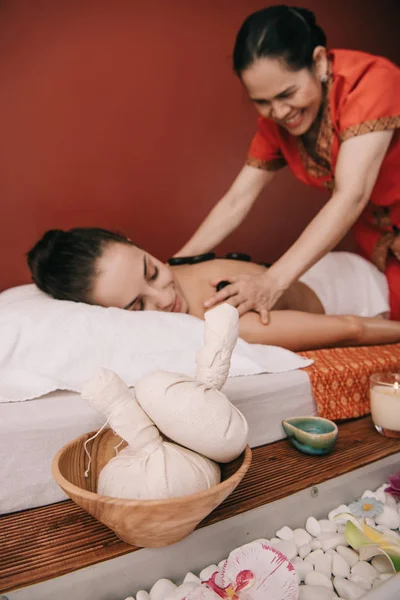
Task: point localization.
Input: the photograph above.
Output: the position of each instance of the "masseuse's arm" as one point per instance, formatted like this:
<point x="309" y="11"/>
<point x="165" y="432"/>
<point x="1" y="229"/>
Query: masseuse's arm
<point x="357" y="169"/>
<point x="229" y="212"/>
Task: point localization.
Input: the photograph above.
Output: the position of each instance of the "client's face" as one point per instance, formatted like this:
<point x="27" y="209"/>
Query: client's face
<point x="130" y="278"/>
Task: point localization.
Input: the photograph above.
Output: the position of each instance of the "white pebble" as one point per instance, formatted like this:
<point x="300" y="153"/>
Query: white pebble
<point x="323" y="564"/>
<point x="314" y="592"/>
<point x="287" y="547"/>
<point x="361" y="582"/>
<point x="285" y="533"/>
<point x="208" y="572"/>
<point x="341" y="528"/>
<point x="327" y="526"/>
<point x="369" y="494"/>
<point x="305" y="550"/>
<point x="315" y="544"/>
<point x="370" y="522"/>
<point x="389" y="500"/>
<point x="382" y="564"/>
<point x="313" y="527"/>
<point x="347" y="589"/>
<point x="274" y="540"/>
<point x="161" y="589"/>
<point x="390" y="517"/>
<point x="365" y="570"/>
<point x="314" y="578"/>
<point x="301" y="537"/>
<point x="332" y="541"/>
<point x="130" y="598"/>
<point x="343" y="508"/>
<point x="340" y="566"/>
<point x="181" y="592"/>
<point x="192" y="578"/>
<point x="302" y="567"/>
<point x="142" y="595"/>
<point x="385" y="498"/>
<point x="312" y="557"/>
<point x="349" y="555"/>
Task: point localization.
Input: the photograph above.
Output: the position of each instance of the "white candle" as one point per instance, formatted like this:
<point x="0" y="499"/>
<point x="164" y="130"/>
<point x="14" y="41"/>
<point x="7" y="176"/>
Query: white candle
<point x="385" y="406"/>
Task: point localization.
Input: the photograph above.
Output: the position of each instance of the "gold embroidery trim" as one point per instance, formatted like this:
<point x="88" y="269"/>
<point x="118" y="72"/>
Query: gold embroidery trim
<point x="368" y="126"/>
<point x="268" y="165"/>
<point x="329" y="185"/>
<point x="388" y="242"/>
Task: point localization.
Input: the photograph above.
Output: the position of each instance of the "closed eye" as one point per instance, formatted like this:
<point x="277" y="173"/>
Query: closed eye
<point x="155" y="274"/>
<point x="286" y="95"/>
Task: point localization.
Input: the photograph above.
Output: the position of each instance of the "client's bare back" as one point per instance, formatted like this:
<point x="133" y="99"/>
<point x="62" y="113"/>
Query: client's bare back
<point x="297" y="321"/>
<point x="195" y="281"/>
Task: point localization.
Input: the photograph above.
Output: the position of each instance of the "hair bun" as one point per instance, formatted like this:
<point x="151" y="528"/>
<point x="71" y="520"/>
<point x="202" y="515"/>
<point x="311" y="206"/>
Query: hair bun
<point x="41" y="253"/>
<point x="306" y="14"/>
<point x="50" y="237"/>
<point x="280" y="31"/>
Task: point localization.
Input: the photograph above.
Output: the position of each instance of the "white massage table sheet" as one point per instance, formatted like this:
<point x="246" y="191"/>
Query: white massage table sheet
<point x="32" y="432"/>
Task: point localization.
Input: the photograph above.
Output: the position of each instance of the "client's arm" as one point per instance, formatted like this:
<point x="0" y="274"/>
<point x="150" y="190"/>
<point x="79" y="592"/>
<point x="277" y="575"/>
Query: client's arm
<point x="298" y="331"/>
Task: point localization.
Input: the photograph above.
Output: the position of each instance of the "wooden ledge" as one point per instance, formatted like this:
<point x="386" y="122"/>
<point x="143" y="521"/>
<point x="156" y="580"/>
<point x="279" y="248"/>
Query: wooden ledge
<point x="50" y="541"/>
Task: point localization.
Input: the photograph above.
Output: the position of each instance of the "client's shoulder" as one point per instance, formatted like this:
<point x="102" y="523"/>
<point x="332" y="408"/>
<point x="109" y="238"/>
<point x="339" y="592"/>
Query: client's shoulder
<point x="225" y="267"/>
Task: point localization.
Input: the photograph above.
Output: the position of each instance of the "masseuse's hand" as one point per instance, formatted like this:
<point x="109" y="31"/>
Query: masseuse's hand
<point x="258" y="293"/>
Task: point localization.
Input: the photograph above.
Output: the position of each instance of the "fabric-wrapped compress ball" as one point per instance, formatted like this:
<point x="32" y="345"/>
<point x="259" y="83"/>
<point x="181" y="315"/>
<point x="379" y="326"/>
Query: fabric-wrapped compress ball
<point x="194" y="412"/>
<point x="149" y="467"/>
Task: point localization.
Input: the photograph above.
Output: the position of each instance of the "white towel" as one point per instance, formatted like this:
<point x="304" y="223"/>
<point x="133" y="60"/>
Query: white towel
<point x="48" y="345"/>
<point x="347" y="284"/>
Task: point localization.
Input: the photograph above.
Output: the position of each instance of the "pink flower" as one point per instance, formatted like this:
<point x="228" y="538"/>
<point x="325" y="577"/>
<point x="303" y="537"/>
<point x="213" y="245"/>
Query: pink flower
<point x="242" y="581"/>
<point x="394" y="485"/>
<point x="255" y="572"/>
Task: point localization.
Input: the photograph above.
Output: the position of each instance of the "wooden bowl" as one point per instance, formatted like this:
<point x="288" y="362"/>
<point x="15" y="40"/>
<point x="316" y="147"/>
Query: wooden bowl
<point x="146" y="523"/>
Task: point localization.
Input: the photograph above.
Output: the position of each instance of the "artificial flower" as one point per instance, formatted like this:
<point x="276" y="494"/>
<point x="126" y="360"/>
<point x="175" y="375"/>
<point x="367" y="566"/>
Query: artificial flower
<point x="366" y="508"/>
<point x="394" y="485"/>
<point x="254" y="571"/>
<point x="202" y="593"/>
<point x="371" y="542"/>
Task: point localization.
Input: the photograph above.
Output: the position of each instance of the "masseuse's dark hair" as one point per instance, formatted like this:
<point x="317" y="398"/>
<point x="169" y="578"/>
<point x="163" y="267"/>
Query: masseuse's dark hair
<point x="282" y="32"/>
<point x="63" y="263"/>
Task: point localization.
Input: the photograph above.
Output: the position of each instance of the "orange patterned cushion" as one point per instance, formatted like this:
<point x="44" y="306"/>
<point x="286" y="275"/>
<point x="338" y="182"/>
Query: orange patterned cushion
<point x="340" y="377"/>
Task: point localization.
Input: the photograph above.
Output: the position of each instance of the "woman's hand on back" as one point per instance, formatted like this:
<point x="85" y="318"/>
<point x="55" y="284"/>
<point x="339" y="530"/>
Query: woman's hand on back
<point x="258" y="293"/>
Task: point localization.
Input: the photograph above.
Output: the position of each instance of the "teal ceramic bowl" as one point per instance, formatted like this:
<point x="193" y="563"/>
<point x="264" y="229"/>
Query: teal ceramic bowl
<point x="311" y="435"/>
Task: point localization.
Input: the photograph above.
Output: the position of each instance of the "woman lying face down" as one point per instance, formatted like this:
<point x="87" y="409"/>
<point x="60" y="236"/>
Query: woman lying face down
<point x="97" y="266"/>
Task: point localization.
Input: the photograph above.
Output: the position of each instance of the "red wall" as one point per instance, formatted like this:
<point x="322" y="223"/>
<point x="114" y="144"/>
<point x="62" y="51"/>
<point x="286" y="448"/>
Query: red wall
<point x="126" y="115"/>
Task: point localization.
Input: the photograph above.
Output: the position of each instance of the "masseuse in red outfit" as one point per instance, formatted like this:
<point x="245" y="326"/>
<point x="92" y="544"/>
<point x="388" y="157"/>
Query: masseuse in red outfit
<point x="333" y="118"/>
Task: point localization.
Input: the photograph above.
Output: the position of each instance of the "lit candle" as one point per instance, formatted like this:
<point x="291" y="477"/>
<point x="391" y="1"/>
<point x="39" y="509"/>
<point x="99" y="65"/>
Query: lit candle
<point x="385" y="404"/>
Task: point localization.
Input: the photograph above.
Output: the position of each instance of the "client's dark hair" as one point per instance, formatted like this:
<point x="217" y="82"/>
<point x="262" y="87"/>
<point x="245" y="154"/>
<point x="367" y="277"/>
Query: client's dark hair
<point x="63" y="263"/>
<point x="282" y="32"/>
